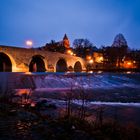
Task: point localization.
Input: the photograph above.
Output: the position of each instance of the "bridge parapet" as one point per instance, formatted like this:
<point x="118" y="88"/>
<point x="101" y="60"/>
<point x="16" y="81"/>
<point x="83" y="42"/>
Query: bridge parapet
<point x="24" y="60"/>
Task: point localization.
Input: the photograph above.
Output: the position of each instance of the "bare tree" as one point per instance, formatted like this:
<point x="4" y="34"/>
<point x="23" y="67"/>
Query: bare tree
<point x="83" y="47"/>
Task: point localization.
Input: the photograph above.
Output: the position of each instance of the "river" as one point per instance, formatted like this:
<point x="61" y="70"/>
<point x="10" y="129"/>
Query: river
<point x="115" y="91"/>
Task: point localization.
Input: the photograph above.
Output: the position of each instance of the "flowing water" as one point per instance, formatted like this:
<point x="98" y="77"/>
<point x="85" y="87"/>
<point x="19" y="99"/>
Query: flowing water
<point x="116" y="91"/>
<point x="117" y="83"/>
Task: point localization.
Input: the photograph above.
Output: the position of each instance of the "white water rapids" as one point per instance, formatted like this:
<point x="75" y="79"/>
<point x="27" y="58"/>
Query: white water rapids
<point x="62" y="82"/>
<point x="45" y="81"/>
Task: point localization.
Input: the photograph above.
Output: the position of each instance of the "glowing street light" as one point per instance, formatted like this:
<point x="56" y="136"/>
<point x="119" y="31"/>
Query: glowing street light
<point x="70" y="52"/>
<point x="100" y="59"/>
<point x="29" y="43"/>
<point x="129" y="63"/>
<point x="88" y="57"/>
<point x="91" y="61"/>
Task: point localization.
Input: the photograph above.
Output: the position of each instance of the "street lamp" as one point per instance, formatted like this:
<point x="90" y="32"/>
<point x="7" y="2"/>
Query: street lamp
<point x="29" y="43"/>
<point x="88" y="57"/>
<point x="91" y="61"/>
<point x="70" y="52"/>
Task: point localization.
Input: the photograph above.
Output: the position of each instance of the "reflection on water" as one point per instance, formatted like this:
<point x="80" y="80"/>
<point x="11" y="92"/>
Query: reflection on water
<point x="28" y="73"/>
<point x="128" y="72"/>
<point x="100" y="72"/>
<point x="90" y="71"/>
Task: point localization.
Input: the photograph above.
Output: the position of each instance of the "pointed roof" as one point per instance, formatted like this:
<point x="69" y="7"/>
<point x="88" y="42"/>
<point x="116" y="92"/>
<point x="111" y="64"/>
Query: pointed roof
<point x="65" y="37"/>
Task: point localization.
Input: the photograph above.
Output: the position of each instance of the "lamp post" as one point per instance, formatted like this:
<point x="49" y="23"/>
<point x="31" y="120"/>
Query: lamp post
<point x="29" y="43"/>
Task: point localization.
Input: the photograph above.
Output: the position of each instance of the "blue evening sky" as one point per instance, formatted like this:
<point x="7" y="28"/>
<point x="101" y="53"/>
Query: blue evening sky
<point x="45" y="20"/>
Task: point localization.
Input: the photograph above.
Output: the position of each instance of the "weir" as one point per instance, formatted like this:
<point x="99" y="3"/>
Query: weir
<point x="45" y="81"/>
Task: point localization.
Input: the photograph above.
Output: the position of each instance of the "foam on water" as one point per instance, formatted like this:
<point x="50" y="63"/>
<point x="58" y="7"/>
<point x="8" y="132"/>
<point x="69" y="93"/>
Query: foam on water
<point x="91" y="81"/>
<point x="79" y="102"/>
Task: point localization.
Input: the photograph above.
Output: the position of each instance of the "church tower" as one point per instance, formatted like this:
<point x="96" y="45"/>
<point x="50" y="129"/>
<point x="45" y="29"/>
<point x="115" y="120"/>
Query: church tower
<point x="66" y="42"/>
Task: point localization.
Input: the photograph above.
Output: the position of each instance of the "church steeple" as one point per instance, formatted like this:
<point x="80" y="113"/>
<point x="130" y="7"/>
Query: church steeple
<point x="65" y="37"/>
<point x="66" y="42"/>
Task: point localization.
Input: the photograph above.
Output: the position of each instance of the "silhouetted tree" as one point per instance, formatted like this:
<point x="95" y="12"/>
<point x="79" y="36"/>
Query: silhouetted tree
<point x="83" y="47"/>
<point x="135" y="56"/>
<point x="54" y="47"/>
<point x="120" y="47"/>
<point x="114" y="55"/>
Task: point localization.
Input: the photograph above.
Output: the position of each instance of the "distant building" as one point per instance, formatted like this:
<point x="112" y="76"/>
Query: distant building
<point x="95" y="61"/>
<point x="66" y="42"/>
<point x="128" y="63"/>
<point x="98" y="57"/>
<point x="62" y="46"/>
<point x="98" y="60"/>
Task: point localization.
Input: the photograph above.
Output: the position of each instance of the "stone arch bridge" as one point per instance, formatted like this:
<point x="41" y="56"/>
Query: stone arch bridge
<point x="14" y="59"/>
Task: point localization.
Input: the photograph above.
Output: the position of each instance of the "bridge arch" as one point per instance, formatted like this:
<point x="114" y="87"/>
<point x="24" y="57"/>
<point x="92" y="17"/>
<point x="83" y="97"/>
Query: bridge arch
<point x="7" y="63"/>
<point x="78" y="66"/>
<point x="37" y="64"/>
<point x="61" y="65"/>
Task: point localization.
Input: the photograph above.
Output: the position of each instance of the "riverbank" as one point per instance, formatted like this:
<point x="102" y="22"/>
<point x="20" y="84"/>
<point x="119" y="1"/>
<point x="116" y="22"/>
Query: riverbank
<point x="35" y="123"/>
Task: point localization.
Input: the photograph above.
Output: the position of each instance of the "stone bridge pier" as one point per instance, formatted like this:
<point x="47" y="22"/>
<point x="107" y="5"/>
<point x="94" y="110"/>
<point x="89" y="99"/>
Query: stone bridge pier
<point x="14" y="59"/>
